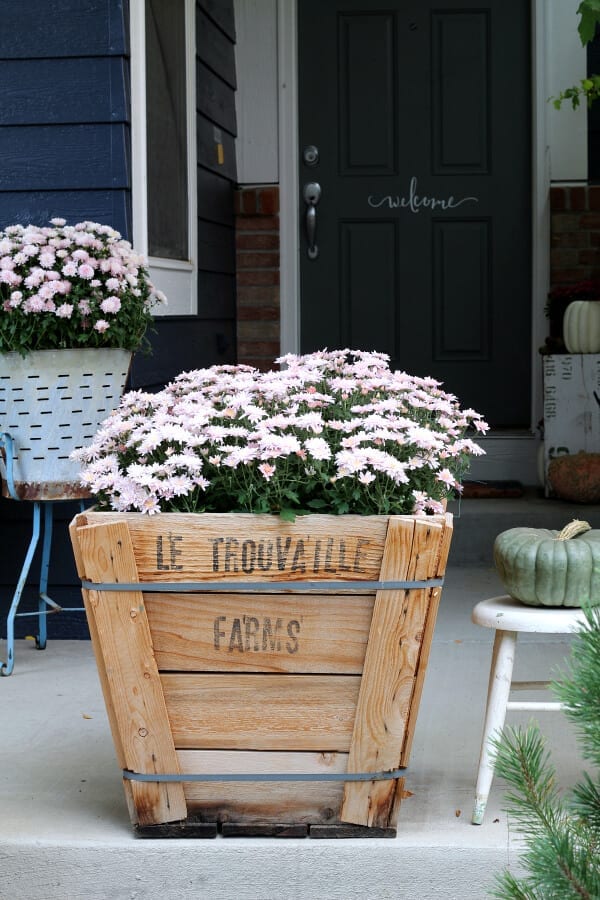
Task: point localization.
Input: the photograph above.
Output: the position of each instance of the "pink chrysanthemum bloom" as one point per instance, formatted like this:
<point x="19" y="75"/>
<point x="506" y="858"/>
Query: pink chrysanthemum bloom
<point x="110" y="305"/>
<point x="85" y="271"/>
<point x="318" y="448"/>
<point x="64" y="311"/>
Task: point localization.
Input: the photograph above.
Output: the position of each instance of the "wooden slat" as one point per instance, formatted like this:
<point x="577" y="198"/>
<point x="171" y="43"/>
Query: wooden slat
<point x="77" y="523"/>
<point x="188" y="828"/>
<point x="261" y="712"/>
<point x="433" y="606"/>
<point x="268" y="802"/>
<point x="260" y="633"/>
<point x="343" y="831"/>
<point x="387" y="685"/>
<point x="222" y="547"/>
<point x="243" y="829"/>
<point x="133" y="694"/>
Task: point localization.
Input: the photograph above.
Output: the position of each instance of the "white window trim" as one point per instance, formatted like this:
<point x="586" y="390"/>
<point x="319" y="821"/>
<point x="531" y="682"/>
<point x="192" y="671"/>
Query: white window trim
<point x="178" y="279"/>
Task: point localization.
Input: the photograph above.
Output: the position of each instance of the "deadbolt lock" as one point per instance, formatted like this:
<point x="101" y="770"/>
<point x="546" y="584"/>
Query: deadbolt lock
<point x="310" y="155"/>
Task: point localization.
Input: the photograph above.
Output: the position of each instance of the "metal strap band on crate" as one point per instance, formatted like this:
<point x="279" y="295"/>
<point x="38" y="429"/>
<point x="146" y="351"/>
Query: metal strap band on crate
<point x="181" y="587"/>
<point x="271" y="776"/>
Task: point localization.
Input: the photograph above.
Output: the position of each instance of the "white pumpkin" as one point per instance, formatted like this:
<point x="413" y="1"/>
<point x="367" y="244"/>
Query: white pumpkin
<point x="581" y="326"/>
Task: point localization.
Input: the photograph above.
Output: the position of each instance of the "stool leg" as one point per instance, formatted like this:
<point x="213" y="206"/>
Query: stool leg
<point x="503" y="658"/>
<point x="7" y="667"/>
<point x="44" y="601"/>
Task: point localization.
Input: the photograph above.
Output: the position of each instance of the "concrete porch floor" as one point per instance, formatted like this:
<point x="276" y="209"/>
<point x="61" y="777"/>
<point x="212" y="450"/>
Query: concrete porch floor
<point x="65" y="833"/>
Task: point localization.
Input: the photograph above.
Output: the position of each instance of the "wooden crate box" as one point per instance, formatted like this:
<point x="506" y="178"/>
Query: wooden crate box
<point x="255" y="669"/>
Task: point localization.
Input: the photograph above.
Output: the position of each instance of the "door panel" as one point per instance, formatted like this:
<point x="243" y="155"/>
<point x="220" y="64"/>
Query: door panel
<point x="461" y="289"/>
<point x="367" y="133"/>
<point x="374" y="324"/>
<point x="420" y="112"/>
<point x="460" y="90"/>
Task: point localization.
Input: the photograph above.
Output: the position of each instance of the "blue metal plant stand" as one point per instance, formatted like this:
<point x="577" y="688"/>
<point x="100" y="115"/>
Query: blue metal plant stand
<point x="46" y="605"/>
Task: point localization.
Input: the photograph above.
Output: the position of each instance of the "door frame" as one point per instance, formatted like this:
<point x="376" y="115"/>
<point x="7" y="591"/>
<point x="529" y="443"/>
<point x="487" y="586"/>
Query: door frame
<point x="509" y="455"/>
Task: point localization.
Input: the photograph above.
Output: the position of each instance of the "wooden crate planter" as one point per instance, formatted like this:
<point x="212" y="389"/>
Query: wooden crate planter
<point x="285" y="679"/>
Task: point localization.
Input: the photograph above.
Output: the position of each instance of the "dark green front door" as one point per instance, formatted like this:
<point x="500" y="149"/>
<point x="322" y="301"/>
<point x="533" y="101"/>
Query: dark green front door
<point x="420" y="116"/>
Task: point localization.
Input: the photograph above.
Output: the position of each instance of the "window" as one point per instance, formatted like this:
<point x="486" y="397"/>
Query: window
<point x="163" y="146"/>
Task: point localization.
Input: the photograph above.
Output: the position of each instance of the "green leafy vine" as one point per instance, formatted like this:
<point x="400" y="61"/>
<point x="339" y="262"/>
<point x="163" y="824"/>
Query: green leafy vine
<point x="588" y="89"/>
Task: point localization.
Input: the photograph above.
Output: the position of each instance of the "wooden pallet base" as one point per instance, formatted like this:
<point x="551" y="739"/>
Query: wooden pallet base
<point x="192" y="828"/>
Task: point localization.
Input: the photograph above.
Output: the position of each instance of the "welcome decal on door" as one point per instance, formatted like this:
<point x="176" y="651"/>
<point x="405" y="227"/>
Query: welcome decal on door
<point x="415" y="203"/>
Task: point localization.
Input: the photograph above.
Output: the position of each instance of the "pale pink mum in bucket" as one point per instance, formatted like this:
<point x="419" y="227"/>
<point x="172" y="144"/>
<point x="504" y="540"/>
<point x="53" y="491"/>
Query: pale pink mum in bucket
<point x="110" y="294"/>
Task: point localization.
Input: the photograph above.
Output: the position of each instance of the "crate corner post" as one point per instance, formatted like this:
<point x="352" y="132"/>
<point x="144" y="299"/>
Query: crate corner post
<point x="128" y="673"/>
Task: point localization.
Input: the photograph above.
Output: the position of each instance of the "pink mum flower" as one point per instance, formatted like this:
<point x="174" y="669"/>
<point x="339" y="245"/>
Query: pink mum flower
<point x="35" y="279"/>
<point x="85" y="271"/>
<point x="101" y="325"/>
<point x="8" y="277"/>
<point x="34" y="304"/>
<point x="110" y="305"/>
<point x="150" y="506"/>
<point x="64" y="311"/>
<point x="366" y="477"/>
<point x="446" y="477"/>
<point x="47" y="259"/>
<point x="318" y="448"/>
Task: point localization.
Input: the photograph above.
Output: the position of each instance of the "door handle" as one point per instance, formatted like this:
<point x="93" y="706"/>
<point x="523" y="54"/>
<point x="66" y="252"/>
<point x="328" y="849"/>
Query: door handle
<point x="312" y="194"/>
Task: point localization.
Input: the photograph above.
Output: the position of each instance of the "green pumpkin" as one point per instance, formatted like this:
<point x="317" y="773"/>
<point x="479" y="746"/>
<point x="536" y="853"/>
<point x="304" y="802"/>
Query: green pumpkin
<point x="540" y="567"/>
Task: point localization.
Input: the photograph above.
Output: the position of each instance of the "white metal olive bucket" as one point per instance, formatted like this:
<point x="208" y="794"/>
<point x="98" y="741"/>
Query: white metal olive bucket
<point x="51" y="403"/>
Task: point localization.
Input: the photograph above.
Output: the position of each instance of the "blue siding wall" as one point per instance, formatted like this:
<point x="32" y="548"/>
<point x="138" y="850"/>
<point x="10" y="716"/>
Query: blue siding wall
<point x="64" y="112"/>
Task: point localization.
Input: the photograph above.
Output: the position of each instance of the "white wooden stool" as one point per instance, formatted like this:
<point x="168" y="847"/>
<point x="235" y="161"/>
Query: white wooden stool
<point x="509" y="617"/>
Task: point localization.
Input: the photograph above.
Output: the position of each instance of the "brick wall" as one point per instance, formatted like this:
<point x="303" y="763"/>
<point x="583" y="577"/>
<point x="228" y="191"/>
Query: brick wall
<point x="257" y="275"/>
<point x="575" y="234"/>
